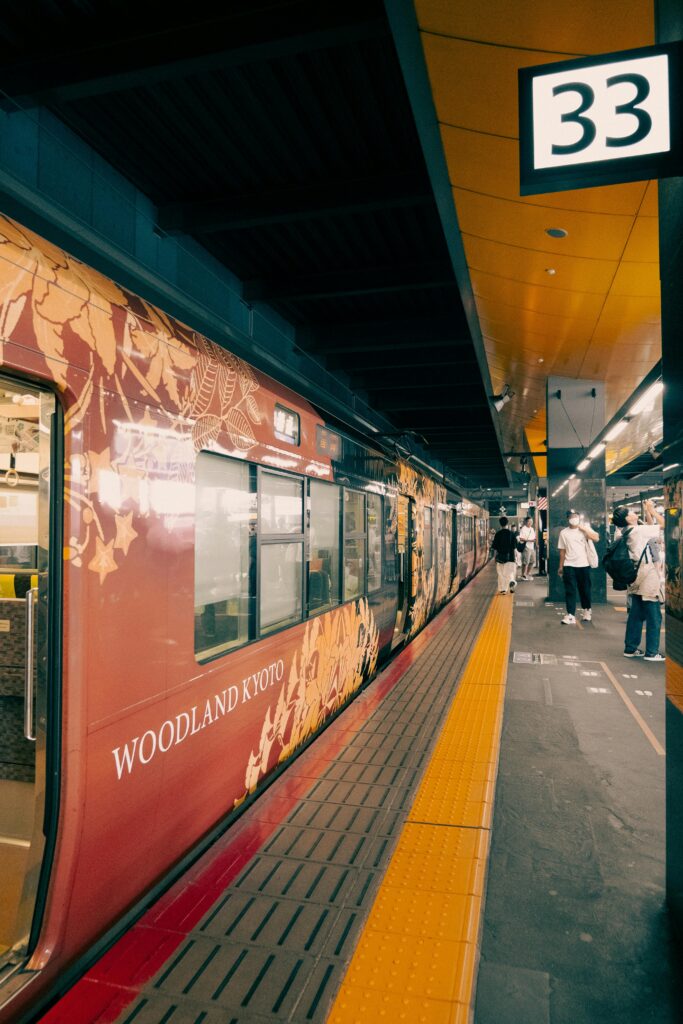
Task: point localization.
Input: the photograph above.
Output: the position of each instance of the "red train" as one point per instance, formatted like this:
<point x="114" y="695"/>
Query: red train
<point x="196" y="572"/>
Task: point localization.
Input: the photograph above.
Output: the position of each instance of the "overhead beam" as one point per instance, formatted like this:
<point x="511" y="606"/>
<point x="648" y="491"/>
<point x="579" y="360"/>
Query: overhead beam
<point x="285" y="206"/>
<point x="73" y="70"/>
<point x="413" y="377"/>
<point x="432" y="328"/>
<point x="371" y="280"/>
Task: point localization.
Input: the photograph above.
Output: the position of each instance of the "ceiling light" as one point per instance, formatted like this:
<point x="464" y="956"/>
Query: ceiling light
<point x="598" y="450"/>
<point x="541" y="360"/>
<point x="583" y="464"/>
<point x="616" y="430"/>
<point x="571" y="477"/>
<point x="551" y="271"/>
<point x="672" y="466"/>
<point x="556" y="232"/>
<point x="646" y="401"/>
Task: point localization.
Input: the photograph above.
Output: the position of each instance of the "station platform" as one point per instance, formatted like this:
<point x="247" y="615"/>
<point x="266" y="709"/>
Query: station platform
<point x="372" y="880"/>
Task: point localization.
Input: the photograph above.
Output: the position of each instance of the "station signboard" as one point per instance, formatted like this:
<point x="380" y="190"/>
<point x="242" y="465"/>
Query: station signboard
<point x="601" y="120"/>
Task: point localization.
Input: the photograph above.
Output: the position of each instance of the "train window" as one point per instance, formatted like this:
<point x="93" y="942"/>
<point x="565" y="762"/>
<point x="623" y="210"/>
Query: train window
<point x="427" y="537"/>
<point x="354" y="544"/>
<point x="225" y="503"/>
<point x="323" y="567"/>
<point x="443" y="528"/>
<point x="281" y="585"/>
<point x="281" y="504"/>
<point x="374" y="542"/>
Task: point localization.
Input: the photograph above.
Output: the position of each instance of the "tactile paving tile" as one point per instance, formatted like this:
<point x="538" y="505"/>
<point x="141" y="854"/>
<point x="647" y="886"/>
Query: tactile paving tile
<point x="362" y="1005"/>
<point x="277" y="944"/>
<point x="455" y="797"/>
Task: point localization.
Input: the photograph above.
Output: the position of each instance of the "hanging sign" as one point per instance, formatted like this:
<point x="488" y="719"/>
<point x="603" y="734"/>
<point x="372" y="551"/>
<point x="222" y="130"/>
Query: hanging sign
<point x="601" y="120"/>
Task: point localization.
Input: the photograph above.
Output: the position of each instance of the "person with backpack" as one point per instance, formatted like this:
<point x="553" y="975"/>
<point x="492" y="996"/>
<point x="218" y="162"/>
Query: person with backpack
<point x="504" y="547"/>
<point x="643" y="581"/>
<point x="575" y="556"/>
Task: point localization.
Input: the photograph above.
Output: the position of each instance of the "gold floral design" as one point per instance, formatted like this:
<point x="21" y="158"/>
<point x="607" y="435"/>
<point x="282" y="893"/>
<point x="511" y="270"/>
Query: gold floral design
<point x="194" y="392"/>
<point x="424" y="491"/>
<point x="337" y="652"/>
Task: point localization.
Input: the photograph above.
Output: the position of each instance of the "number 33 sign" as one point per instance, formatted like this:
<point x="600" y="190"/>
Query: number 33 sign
<point x="601" y="120"/>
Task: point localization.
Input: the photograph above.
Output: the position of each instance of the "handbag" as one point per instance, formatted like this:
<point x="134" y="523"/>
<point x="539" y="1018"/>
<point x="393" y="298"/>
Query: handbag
<point x="592" y="554"/>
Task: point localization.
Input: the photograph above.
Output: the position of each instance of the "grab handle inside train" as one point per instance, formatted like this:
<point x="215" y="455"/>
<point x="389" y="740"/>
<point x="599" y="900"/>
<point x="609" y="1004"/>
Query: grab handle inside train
<point x="29" y="732"/>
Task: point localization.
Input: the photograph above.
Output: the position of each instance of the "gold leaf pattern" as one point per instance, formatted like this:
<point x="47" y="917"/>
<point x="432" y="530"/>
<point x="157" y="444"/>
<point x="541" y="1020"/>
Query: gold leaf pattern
<point x="204" y="431"/>
<point x="338" y="651"/>
<point x="239" y="430"/>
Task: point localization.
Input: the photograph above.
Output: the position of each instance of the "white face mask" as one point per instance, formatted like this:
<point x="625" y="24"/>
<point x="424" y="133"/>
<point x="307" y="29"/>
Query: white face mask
<point x="573" y="520"/>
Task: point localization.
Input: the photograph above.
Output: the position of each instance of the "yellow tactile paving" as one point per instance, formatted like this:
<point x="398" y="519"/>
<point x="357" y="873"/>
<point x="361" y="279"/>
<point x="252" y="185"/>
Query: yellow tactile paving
<point x="362" y="1005"/>
<point x="417" y="956"/>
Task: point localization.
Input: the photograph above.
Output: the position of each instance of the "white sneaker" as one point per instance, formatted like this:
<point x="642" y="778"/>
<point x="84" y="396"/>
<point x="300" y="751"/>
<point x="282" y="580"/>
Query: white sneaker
<point x="654" y="657"/>
<point x="587" y="614"/>
<point x="569" y="620"/>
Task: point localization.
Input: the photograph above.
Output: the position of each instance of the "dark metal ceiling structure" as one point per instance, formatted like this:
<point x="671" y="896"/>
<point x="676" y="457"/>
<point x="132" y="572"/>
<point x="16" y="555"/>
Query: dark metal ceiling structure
<point x="279" y="136"/>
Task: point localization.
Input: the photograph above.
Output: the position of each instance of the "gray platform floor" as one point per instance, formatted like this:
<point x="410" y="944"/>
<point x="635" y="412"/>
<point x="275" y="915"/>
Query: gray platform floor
<point x="575" y="928"/>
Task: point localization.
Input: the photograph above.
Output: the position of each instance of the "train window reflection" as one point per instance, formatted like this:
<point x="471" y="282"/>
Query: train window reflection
<point x="427" y="537"/>
<point x="224" y="505"/>
<point x="354" y="544"/>
<point x="323" y="569"/>
<point x="280" y="585"/>
<point x="281" y="504"/>
<point x="374" y="542"/>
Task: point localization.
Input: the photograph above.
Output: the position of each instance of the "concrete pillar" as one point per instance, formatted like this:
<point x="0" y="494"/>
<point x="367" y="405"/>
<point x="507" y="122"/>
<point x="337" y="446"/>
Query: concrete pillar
<point x="575" y="411"/>
<point x="669" y="22"/>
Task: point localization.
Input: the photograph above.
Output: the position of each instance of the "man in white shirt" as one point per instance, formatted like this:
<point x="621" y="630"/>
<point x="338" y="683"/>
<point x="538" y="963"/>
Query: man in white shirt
<point x="645" y="591"/>
<point x="528" y="535"/>
<point x="575" y="566"/>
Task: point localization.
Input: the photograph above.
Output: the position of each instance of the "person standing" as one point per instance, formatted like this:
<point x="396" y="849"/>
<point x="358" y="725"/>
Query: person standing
<point x="528" y="535"/>
<point x="504" y="546"/>
<point x="645" y="591"/>
<point x="575" y="566"/>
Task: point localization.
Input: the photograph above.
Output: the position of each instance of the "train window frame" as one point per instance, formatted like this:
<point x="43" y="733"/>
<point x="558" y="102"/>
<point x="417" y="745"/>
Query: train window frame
<point x="354" y="535"/>
<point x="209" y="654"/>
<point x="333" y="604"/>
<point x="270" y="540"/>
<point x="454" y="544"/>
<point x="293" y="439"/>
<point x="372" y="495"/>
<point x="428" y="562"/>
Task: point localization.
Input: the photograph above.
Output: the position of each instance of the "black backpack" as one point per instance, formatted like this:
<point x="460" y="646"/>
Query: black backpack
<point x="619" y="565"/>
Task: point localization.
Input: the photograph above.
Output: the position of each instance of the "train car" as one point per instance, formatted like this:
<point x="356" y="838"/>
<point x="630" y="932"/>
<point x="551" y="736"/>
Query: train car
<point x="196" y="573"/>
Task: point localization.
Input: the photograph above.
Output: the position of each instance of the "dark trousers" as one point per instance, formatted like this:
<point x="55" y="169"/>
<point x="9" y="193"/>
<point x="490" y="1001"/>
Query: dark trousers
<point x="640" y="612"/>
<point x="574" y="576"/>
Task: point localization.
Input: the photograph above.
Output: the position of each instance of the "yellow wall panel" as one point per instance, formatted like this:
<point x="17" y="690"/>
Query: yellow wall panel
<point x="543" y="340"/>
<point x="629" y="309"/>
<point x="585" y="27"/>
<point x="521" y="224"/>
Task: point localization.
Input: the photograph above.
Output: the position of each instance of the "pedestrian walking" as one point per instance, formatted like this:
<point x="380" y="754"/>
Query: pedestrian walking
<point x="645" y="592"/>
<point x="504" y="546"/>
<point x="575" y="559"/>
<point x="528" y="535"/>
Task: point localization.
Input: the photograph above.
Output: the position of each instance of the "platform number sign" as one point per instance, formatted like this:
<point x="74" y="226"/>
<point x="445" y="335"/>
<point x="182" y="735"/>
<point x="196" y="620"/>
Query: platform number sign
<point x="601" y="120"/>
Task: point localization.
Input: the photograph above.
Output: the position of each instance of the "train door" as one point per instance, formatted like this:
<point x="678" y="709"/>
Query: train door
<point x="27" y="520"/>
<point x="404" y="533"/>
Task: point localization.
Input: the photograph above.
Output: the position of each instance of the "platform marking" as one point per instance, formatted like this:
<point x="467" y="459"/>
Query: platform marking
<point x="597" y="689"/>
<point x="659" y="749"/>
<point x="417" y="955"/>
<point x="644" y="693"/>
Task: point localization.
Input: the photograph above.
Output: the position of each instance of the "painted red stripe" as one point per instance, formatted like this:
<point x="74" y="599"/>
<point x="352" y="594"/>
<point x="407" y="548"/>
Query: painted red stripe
<point x="115" y="981"/>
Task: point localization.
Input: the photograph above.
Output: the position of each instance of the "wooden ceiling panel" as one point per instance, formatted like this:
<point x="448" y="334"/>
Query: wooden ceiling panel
<point x="636" y="279"/>
<point x="598" y="314"/>
<point x="584" y="28"/>
<point x="536" y="298"/>
<point x="524" y="225"/>
<point x="531" y="266"/>
<point x="492" y="168"/>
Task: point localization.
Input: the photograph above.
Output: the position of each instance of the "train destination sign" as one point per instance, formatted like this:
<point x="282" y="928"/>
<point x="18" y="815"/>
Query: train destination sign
<point x="601" y="120"/>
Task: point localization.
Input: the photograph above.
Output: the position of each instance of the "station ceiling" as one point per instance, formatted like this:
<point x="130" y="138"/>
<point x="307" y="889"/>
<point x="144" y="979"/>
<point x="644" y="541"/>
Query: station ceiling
<point x="279" y="135"/>
<point x="585" y="305"/>
<point x="284" y="137"/>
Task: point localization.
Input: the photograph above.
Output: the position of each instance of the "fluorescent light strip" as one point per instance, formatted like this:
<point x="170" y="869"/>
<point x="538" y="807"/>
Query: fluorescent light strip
<point x="673" y="465"/>
<point x="616" y="430"/>
<point x="582" y="465"/>
<point x="598" y="450"/>
<point x="647" y="399"/>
